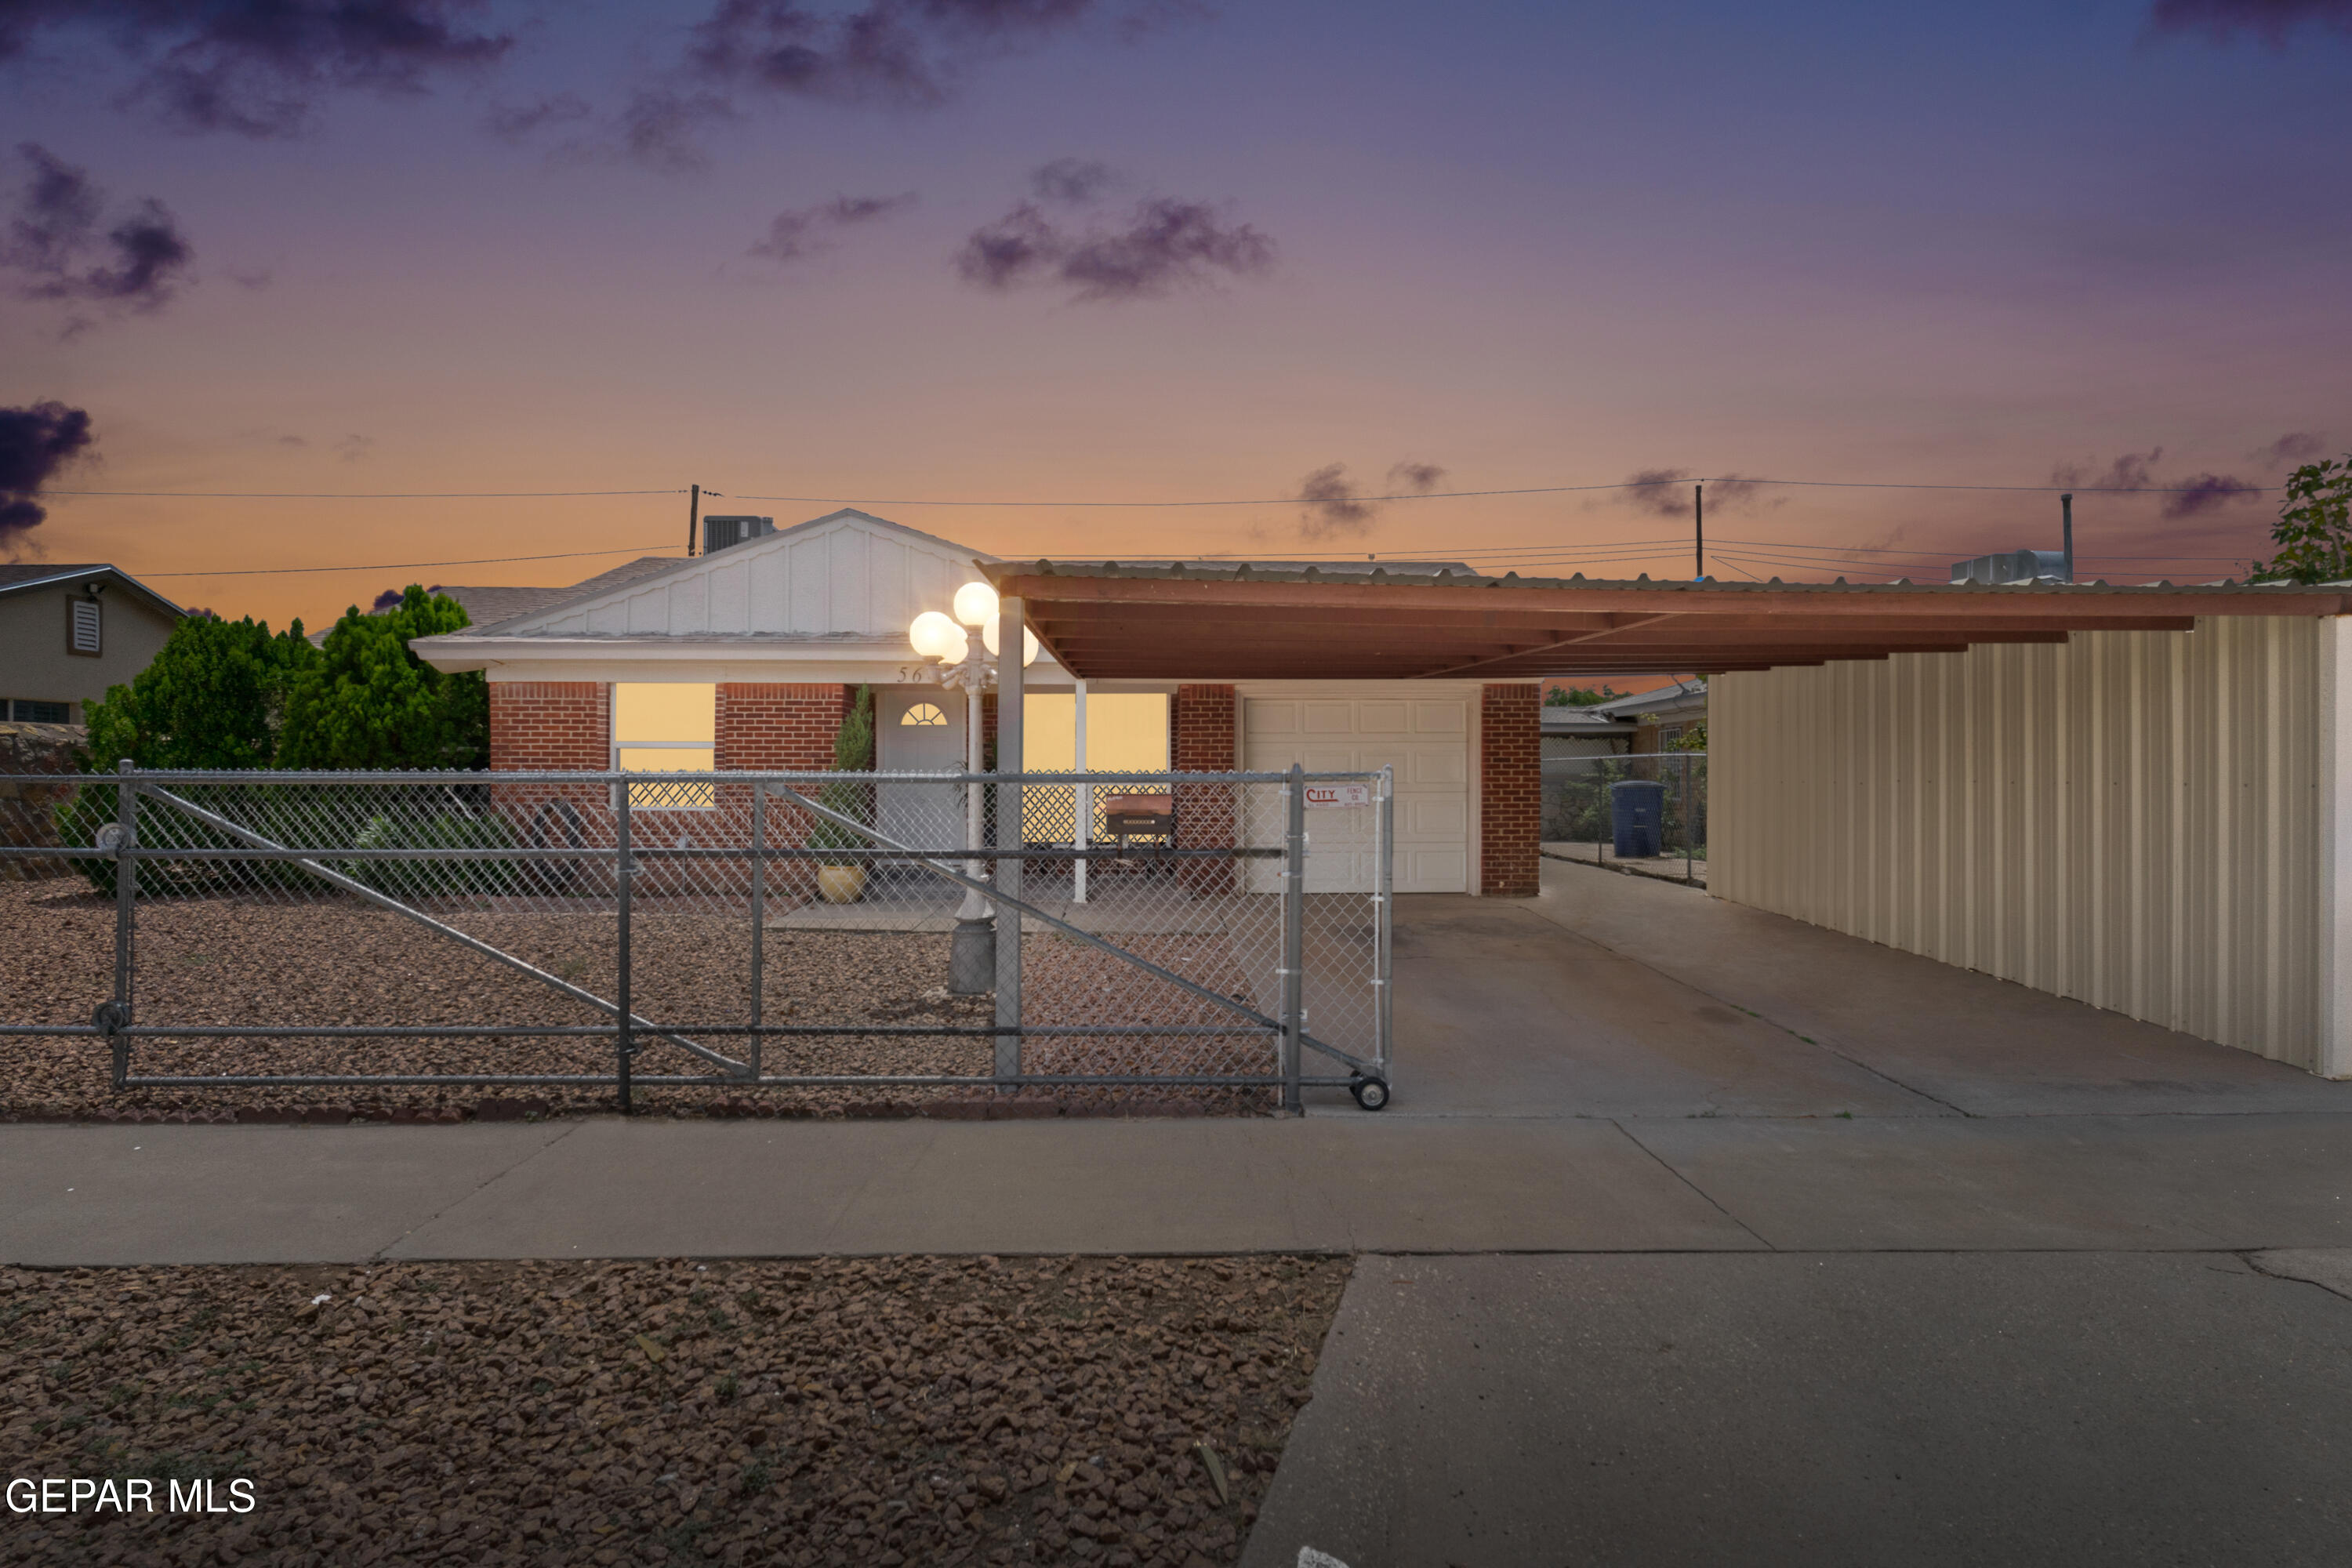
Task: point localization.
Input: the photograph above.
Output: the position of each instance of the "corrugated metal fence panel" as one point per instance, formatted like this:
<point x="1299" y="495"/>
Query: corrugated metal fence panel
<point x="2131" y="819"/>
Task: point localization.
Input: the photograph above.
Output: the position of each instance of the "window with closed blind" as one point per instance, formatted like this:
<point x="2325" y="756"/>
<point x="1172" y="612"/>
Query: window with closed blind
<point x="82" y="630"/>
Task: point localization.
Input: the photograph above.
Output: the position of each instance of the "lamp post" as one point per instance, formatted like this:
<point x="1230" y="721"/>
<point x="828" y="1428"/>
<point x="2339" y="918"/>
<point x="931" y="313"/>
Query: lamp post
<point x="952" y="661"/>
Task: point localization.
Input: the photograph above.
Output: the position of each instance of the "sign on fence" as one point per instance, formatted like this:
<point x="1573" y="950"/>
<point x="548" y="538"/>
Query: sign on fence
<point x="1338" y="794"/>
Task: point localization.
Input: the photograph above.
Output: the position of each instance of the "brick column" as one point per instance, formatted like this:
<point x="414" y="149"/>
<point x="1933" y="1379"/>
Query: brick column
<point x="1203" y="724"/>
<point x="1510" y="789"/>
<point x="550" y="725"/>
<point x="555" y="726"/>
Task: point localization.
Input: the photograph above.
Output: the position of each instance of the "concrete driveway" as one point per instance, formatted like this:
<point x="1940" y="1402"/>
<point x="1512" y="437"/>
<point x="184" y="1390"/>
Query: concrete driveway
<point x="1612" y="996"/>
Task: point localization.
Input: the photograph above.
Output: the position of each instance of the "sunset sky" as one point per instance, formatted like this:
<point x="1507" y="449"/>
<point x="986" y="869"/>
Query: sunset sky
<point x="1052" y="251"/>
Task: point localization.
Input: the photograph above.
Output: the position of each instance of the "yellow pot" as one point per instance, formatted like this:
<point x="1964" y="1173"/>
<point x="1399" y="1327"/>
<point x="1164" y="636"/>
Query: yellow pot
<point x="840" y="884"/>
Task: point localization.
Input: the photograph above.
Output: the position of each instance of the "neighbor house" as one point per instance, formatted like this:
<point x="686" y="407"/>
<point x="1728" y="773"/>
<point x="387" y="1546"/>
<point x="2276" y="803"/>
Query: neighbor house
<point x="67" y="633"/>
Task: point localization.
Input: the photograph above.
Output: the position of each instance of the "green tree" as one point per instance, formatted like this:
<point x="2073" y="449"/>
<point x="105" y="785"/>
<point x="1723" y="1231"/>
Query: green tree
<point x="853" y="743"/>
<point x="216" y="697"/>
<point x="368" y="702"/>
<point x="2314" y="531"/>
<point x="852" y="752"/>
<point x="1578" y="696"/>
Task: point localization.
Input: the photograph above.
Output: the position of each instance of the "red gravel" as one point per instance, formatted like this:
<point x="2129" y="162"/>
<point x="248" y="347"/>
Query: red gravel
<point x="894" y="1410"/>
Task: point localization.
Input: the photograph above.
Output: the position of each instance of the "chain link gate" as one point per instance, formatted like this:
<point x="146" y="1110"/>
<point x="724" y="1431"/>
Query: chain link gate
<point x="1221" y="935"/>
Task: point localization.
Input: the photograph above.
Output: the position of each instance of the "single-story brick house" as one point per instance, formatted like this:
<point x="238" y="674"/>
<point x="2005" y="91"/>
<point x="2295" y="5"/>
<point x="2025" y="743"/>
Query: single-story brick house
<point x="746" y="657"/>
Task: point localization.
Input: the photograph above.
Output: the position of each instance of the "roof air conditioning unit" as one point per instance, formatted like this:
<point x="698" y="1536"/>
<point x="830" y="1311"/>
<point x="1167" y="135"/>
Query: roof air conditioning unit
<point x="718" y="533"/>
<point x="2014" y="568"/>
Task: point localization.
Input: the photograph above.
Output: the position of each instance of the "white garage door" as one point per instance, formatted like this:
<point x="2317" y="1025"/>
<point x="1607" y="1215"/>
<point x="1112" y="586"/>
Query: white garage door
<point x="1425" y="739"/>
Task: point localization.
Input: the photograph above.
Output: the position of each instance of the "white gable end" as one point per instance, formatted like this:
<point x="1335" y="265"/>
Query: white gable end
<point x="844" y="575"/>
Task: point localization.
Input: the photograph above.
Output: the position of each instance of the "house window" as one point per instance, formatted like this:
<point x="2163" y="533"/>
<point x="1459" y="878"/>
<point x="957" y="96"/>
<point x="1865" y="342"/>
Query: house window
<point x="25" y="712"/>
<point x="82" y="631"/>
<point x="666" y="727"/>
<point x="924" y="715"/>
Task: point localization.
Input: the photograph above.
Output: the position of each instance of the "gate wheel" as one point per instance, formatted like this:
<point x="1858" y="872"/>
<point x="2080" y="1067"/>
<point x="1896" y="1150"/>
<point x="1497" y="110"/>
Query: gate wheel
<point x="1372" y="1093"/>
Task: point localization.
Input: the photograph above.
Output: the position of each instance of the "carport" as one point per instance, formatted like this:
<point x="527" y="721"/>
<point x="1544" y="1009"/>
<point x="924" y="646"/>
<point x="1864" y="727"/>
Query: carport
<point x="2137" y="798"/>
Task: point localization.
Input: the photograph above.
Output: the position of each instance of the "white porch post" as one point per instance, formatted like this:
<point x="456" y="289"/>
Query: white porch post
<point x="1011" y="831"/>
<point x="1085" y="795"/>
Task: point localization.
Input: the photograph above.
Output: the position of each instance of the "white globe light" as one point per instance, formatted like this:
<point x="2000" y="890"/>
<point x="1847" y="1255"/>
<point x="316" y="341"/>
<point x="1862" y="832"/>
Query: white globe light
<point x="975" y="604"/>
<point x="989" y="639"/>
<point x="936" y="637"/>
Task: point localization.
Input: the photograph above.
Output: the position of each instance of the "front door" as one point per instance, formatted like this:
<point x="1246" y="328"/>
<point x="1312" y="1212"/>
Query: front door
<point x="919" y="729"/>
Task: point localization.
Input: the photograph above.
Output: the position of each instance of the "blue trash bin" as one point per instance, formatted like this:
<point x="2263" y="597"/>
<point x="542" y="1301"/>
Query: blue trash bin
<point x="1637" y="816"/>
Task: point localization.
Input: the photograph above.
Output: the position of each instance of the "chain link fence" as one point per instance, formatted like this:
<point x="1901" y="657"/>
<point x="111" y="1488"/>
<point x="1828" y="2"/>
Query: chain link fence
<point x="1222" y="938"/>
<point x="1588" y="801"/>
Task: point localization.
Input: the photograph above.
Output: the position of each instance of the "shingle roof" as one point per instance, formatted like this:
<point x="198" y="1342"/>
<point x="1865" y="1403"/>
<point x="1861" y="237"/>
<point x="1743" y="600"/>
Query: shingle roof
<point x="14" y="572"/>
<point x="20" y="574"/>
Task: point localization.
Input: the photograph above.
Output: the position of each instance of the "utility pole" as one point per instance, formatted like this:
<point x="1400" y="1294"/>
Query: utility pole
<point x="2066" y="531"/>
<point x="1698" y="530"/>
<point x="693" y="515"/>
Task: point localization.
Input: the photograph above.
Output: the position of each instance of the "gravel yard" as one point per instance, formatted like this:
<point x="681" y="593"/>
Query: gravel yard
<point x="922" y="1411"/>
<point x="331" y="960"/>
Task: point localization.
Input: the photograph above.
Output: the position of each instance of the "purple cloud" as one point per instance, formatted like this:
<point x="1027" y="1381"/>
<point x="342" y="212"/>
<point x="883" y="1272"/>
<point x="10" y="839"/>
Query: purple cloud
<point x="1666" y="492"/>
<point x="2132" y="471"/>
<point x="257" y="67"/>
<point x="2200" y="493"/>
<point x="2269" y="20"/>
<point x="2192" y="497"/>
<point x="793" y="233"/>
<point x="37" y="444"/>
<point x="54" y="241"/>
<point x="2293" y="447"/>
<point x="905" y="52"/>
<point x="1332" y="509"/>
<point x="1073" y="182"/>
<point x="1163" y="244"/>
<point x="519" y="122"/>
<point x="1419" y="477"/>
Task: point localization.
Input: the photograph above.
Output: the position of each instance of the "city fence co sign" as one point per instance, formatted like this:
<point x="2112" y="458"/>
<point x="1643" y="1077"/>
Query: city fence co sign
<point x="1338" y="794"/>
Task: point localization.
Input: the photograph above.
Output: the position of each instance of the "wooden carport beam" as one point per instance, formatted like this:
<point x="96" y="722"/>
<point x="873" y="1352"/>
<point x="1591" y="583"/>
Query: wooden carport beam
<point x="1624" y="624"/>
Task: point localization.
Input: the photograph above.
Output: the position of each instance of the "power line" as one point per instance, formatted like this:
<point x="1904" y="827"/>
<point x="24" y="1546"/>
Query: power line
<point x="404" y="566"/>
<point x="1535" y="490"/>
<point x="362" y="495"/>
<point x="1262" y="501"/>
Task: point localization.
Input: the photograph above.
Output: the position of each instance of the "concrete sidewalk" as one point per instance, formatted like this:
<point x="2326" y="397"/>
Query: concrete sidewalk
<point x="609" y="1188"/>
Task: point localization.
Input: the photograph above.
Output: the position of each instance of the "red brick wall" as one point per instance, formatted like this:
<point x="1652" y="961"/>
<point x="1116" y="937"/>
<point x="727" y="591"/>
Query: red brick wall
<point x="778" y="726"/>
<point x="555" y="726"/>
<point x="550" y="724"/>
<point x="1510" y="792"/>
<point x="1203" y="724"/>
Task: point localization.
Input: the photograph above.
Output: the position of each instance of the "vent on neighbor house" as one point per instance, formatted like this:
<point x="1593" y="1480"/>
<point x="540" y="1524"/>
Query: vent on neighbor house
<point x="83" y="631"/>
<point x="718" y="533"/>
<point x="2013" y="567"/>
